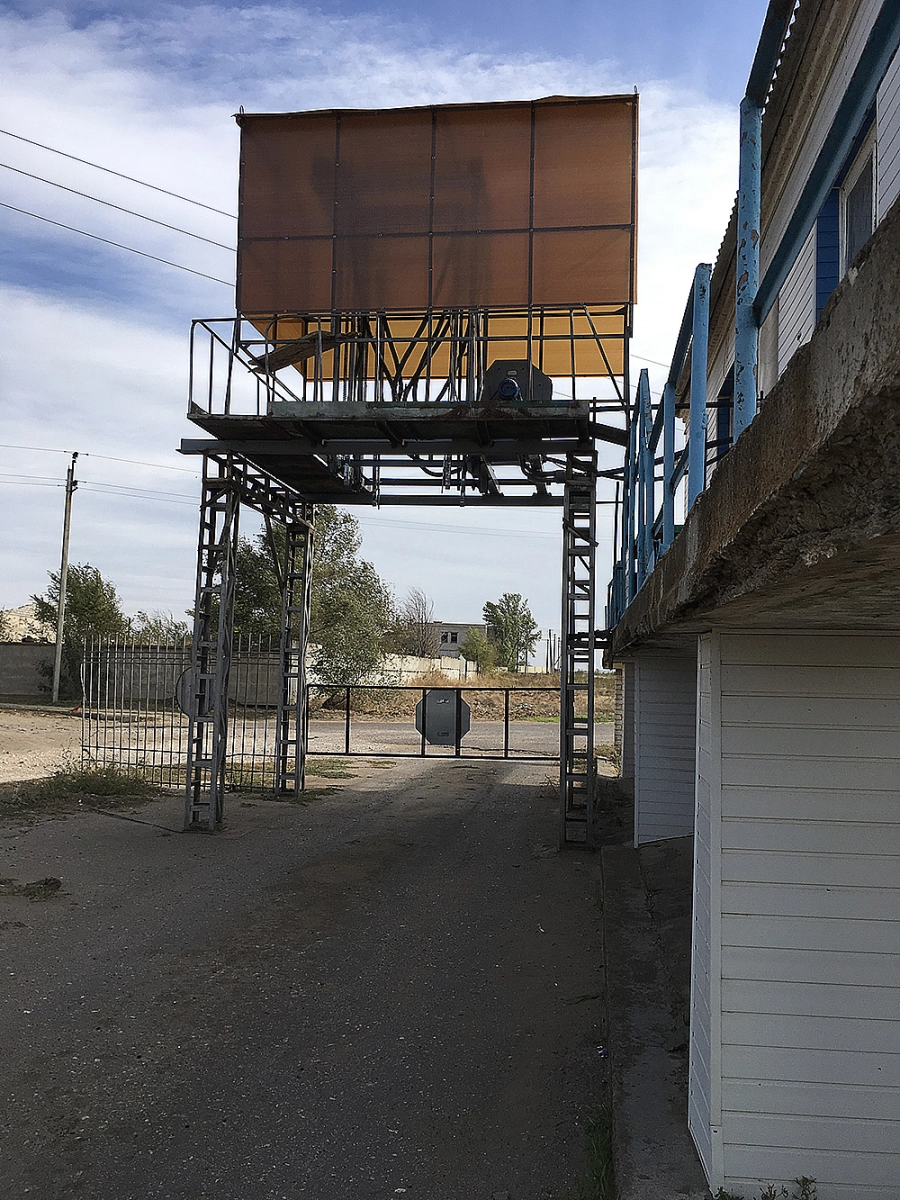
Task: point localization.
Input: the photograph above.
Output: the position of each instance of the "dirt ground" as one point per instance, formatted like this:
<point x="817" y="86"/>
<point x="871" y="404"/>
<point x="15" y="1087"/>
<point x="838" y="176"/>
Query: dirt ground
<point x="34" y="743"/>
<point x="396" y="989"/>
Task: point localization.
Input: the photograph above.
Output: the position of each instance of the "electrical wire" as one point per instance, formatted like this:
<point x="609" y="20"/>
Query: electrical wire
<point x="118" y="245"/>
<point x="109" y="171"/>
<point x="134" y="462"/>
<point x="117" y="207"/>
<point x="467" y="529"/>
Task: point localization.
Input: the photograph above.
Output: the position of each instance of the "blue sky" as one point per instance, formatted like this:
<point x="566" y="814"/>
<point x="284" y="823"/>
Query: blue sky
<point x="94" y="354"/>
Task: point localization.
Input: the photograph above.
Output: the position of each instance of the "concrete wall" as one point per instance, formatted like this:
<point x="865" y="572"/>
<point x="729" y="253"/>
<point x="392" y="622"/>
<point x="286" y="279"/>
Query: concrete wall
<point x="20" y="674"/>
<point x="795" y="1038"/>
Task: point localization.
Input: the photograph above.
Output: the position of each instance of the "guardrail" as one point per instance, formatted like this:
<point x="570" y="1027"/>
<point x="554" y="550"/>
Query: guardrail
<point x="651" y="483"/>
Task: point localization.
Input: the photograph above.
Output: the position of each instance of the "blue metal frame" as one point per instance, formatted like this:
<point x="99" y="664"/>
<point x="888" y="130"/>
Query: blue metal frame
<point x="648" y="527"/>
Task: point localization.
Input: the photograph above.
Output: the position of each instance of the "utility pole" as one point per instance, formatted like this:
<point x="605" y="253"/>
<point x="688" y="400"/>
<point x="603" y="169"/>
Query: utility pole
<point x="71" y="485"/>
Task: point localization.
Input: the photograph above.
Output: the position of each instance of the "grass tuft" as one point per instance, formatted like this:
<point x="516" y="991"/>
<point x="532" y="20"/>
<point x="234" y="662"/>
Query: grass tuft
<point x="599" y="1180"/>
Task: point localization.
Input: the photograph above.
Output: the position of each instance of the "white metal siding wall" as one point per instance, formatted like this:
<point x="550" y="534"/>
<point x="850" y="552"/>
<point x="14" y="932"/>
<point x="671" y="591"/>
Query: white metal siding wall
<point x="845" y="63"/>
<point x="887" y="151"/>
<point x="665" y="747"/>
<point x="797" y="303"/>
<point x="704" y="953"/>
<point x="810" y="911"/>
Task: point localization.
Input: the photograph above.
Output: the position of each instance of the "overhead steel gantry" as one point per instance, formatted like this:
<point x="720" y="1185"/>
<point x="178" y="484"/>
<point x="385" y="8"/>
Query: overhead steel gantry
<point x="406" y="334"/>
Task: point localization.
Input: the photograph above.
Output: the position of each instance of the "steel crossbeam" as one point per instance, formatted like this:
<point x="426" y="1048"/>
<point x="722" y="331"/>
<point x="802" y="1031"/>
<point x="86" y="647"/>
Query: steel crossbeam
<point x="576" y="723"/>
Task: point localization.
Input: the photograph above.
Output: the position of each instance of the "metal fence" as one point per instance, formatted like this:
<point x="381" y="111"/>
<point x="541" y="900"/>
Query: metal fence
<point x="135" y="696"/>
<point x="393" y="721"/>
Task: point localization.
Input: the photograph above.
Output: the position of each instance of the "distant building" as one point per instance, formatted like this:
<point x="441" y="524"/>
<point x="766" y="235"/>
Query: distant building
<point x="449" y="636"/>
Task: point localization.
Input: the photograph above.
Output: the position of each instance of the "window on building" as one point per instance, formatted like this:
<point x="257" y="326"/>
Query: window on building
<point x="858" y="203"/>
<point x="454" y="638"/>
<point x="445" y="638"/>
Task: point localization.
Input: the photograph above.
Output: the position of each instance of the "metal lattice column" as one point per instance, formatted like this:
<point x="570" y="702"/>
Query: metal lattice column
<point x="576" y="752"/>
<point x="291" y="743"/>
<point x="211" y="647"/>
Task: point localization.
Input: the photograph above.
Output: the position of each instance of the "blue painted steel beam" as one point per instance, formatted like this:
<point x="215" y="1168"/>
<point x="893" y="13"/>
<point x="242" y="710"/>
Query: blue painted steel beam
<point x="647" y="471"/>
<point x="668" y="496"/>
<point x="699" y="356"/>
<point x="746" y="325"/>
<point x="856" y="102"/>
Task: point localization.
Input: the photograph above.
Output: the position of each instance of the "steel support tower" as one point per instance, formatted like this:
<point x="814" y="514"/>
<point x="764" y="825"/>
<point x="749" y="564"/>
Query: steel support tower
<point x="228" y="483"/>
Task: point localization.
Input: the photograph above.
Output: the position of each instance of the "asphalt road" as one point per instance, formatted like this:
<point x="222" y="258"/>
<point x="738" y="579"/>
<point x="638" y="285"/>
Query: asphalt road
<point x="393" y="991"/>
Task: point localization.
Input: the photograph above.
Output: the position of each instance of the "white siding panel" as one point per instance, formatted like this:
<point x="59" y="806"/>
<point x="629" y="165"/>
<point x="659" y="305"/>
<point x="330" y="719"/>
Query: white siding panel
<point x="826" y="1000"/>
<point x="822" y="1067"/>
<point x="777" y="1097"/>
<point x="826" y="109"/>
<point x="825" y="870"/>
<point x="808" y="966"/>
<point x="805" y="853"/>
<point x="807" y="1033"/>
<point x="703" y="1057"/>
<point x="810" y="1133"/>
<point x="801" y="900"/>
<point x="827" y="1167"/>
<point x="797" y="303"/>
<point x="815" y="933"/>
<point x="816" y="837"/>
<point x="793" y="680"/>
<point x="887" y="154"/>
<point x="822" y="712"/>
<point x="665" y="747"/>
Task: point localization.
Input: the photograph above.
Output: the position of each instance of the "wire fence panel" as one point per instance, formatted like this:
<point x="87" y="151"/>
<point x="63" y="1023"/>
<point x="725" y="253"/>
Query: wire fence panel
<point x="136" y="696"/>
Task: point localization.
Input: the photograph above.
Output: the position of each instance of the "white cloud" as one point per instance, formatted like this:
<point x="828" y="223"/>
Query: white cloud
<point x="96" y="342"/>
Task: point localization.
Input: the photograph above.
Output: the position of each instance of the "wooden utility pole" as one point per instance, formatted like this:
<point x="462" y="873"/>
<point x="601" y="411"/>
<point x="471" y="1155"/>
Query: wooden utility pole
<point x="71" y="485"/>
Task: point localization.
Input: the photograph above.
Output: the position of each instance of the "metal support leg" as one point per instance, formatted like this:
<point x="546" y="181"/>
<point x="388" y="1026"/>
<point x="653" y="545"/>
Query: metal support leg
<point x="211" y="647"/>
<point x="291" y="738"/>
<point x="576" y="752"/>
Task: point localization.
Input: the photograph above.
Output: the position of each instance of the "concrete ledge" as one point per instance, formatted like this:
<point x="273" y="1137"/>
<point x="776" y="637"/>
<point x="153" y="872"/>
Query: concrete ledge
<point x="800" y="527"/>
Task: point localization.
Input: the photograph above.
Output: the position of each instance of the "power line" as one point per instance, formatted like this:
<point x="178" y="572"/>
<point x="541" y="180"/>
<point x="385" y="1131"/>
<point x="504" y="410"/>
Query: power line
<point x="469" y="530"/>
<point x="118" y="245"/>
<point x="134" y="462"/>
<point x="101" y="488"/>
<point x="109" y="171"/>
<point x="117" y="207"/>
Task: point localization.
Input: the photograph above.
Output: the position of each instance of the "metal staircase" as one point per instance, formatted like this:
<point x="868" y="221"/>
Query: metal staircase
<point x="296" y="590"/>
<point x="576" y="725"/>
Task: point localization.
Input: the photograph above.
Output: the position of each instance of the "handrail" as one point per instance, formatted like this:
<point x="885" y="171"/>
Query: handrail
<point x="648" y="510"/>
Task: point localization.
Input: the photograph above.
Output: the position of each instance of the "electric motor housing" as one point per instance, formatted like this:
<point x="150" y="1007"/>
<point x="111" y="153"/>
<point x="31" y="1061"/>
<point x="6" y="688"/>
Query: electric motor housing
<point x="516" y="381"/>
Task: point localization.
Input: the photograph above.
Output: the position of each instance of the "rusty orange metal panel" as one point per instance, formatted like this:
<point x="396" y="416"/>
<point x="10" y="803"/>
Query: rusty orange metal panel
<point x="452" y="206"/>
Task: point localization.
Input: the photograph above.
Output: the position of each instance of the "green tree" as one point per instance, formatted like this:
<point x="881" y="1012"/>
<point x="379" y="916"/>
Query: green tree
<point x="158" y="629"/>
<point x="478" y="648"/>
<point x="93" y="609"/>
<point x="353" y="609"/>
<point x="513" y="629"/>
